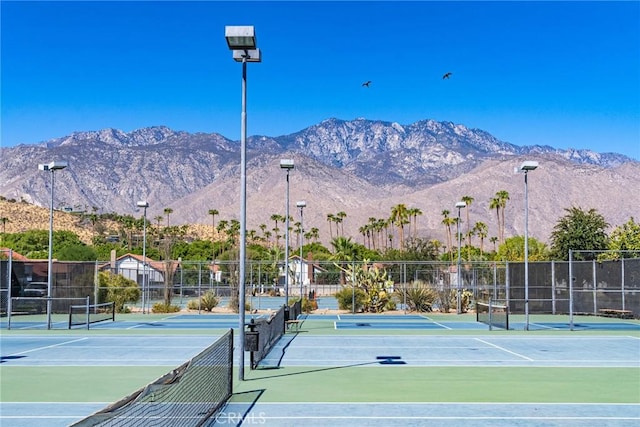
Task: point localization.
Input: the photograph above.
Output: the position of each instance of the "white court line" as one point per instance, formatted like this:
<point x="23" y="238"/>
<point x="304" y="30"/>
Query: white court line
<point x="504" y="349"/>
<point x="440" y="324"/>
<point x="49" y="346"/>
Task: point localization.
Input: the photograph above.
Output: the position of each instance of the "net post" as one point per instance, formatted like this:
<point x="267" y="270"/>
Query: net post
<point x="490" y="314"/>
<point x="88" y="313"/>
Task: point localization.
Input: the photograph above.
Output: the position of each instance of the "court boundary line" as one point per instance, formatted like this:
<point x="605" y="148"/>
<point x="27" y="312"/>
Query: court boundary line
<point x="505" y="350"/>
<point x="49" y="346"/>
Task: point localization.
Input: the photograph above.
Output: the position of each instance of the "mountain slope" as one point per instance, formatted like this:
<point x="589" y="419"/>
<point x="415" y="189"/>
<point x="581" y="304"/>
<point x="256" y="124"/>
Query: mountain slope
<point x="360" y="167"/>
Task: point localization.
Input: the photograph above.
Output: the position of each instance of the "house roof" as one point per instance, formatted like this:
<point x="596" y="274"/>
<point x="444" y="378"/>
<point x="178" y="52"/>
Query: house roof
<point x="156" y="265"/>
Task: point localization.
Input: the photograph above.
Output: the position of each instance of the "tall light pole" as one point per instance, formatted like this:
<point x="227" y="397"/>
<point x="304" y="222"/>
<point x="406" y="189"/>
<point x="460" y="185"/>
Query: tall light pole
<point x="242" y="42"/>
<point x="51" y="167"/>
<point x="525" y="167"/>
<point x="459" y="205"/>
<point x="286" y="164"/>
<point x="144" y="204"/>
<point x="301" y="204"/>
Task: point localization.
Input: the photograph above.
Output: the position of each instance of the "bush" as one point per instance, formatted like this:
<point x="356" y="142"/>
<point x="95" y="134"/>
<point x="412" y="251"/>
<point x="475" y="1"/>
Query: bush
<point x="345" y="298"/>
<point x="161" y="307"/>
<point x="207" y="302"/>
<point x="117" y="288"/>
<point x="420" y="297"/>
<point x="467" y="297"/>
<point x="309" y="305"/>
<point x="234" y="303"/>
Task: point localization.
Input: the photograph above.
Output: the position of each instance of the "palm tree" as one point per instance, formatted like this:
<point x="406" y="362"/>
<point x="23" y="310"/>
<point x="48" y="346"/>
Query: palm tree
<point x="341" y="216"/>
<point x="343" y="251"/>
<point x="503" y="196"/>
<point x="495" y="204"/>
<point x="468" y="200"/>
<point x="447" y="221"/>
<point x="330" y="219"/>
<point x="167" y="212"/>
<point x="413" y="213"/>
<point x="481" y="230"/>
<point x="275" y="218"/>
<point x="4" y="221"/>
<point x="399" y="215"/>
<point x="158" y="219"/>
<point x="493" y="239"/>
<point x="222" y="226"/>
<point x="314" y="234"/>
<point x="213" y="213"/>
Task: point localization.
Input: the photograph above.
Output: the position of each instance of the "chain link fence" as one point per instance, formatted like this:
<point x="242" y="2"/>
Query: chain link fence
<point x="594" y="286"/>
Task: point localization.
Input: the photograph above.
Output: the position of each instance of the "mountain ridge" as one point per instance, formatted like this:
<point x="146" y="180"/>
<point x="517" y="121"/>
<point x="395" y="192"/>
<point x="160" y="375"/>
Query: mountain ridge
<point x="362" y="167"/>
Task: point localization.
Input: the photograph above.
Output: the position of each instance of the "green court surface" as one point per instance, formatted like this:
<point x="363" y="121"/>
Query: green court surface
<point x="342" y="370"/>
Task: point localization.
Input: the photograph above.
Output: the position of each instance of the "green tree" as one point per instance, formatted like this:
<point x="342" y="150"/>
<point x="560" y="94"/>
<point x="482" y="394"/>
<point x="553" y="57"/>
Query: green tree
<point x="80" y="252"/>
<point x="513" y="250"/>
<point x="625" y="238"/>
<point x="579" y="230"/>
<point x="118" y="289"/>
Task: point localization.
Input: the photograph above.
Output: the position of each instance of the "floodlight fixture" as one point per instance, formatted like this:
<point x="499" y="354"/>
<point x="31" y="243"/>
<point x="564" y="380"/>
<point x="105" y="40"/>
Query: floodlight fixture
<point x="461" y="205"/>
<point x="142" y="204"/>
<point x="528" y="165"/>
<point x="240" y="37"/>
<point x="287" y="164"/>
<point x="53" y="166"/>
<point x="301" y="204"/>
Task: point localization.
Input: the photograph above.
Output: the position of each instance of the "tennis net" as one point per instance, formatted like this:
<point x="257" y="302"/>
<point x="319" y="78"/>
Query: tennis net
<point x="86" y="314"/>
<point x="188" y="396"/>
<point x="263" y="334"/>
<point x="492" y="314"/>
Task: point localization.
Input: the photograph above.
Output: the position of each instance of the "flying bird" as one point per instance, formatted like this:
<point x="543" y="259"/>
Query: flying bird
<point x="367" y="83"/>
<point x="447" y="75"/>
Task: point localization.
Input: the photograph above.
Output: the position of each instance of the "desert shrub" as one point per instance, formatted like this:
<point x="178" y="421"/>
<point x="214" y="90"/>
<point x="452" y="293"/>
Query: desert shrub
<point x="206" y="302"/>
<point x="234" y="303"/>
<point x="419" y="297"/>
<point x="345" y="298"/>
<point x="466" y="300"/>
<point x="309" y="305"/>
<point x="161" y="307"/>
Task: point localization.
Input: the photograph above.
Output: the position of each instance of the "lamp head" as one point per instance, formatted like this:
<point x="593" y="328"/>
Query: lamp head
<point x="286" y="164"/>
<point x="53" y="166"/>
<point x="461" y="205"/>
<point x="240" y="37"/>
<point x="301" y="204"/>
<point x="528" y="165"/>
<point x="142" y="204"/>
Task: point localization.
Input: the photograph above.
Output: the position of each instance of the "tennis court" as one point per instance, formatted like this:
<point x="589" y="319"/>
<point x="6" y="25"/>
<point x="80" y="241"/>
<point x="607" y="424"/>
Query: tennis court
<point x="342" y="370"/>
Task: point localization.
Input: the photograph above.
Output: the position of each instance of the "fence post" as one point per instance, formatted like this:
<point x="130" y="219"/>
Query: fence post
<point x="553" y="287"/>
<point x="622" y="281"/>
<point x="595" y="287"/>
<point x="571" y="289"/>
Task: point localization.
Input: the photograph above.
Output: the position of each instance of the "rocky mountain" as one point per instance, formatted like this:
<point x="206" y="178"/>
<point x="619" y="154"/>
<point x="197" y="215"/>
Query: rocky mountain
<point x="360" y="167"/>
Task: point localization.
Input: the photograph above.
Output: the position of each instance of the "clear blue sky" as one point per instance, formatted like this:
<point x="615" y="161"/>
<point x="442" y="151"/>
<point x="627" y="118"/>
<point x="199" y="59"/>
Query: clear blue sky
<point x="565" y="74"/>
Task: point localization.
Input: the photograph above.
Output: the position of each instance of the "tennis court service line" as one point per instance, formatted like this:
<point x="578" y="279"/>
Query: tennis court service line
<point x="505" y="350"/>
<point x="49" y="346"/>
<point x="437" y="323"/>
